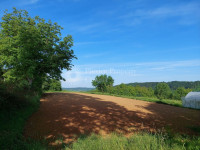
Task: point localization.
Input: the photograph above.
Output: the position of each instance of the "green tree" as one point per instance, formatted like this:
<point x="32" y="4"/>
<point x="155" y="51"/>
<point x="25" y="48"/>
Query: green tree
<point x="162" y="91"/>
<point x="31" y="49"/>
<point x="1" y="73"/>
<point x="181" y="92"/>
<point x="51" y="84"/>
<point x="103" y="82"/>
<point x="55" y="85"/>
<point x="129" y="90"/>
<point x="46" y="84"/>
<point x="197" y="88"/>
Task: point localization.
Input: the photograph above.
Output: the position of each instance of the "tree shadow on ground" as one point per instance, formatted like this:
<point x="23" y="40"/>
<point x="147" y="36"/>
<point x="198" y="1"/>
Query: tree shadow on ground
<point x="63" y="117"/>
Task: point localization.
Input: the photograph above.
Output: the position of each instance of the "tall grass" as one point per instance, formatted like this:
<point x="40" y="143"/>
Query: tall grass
<point x="12" y="121"/>
<point x="144" y="141"/>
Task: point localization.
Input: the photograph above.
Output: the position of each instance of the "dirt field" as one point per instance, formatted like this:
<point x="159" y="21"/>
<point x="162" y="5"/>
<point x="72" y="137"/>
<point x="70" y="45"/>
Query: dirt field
<point x="67" y="115"/>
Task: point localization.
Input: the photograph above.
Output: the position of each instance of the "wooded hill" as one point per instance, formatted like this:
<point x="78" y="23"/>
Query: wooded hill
<point x="173" y="84"/>
<point x="78" y="89"/>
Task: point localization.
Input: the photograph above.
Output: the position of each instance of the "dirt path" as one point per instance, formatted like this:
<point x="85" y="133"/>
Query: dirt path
<point x="67" y="115"/>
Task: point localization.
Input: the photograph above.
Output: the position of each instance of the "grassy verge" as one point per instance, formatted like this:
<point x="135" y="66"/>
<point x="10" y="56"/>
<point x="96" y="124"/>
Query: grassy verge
<point x="12" y="123"/>
<point x="63" y="91"/>
<point x="142" y="141"/>
<point x="177" y="103"/>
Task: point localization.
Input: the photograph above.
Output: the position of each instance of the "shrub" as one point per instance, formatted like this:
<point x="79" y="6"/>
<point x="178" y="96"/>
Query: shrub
<point x="181" y="92"/>
<point x="129" y="90"/>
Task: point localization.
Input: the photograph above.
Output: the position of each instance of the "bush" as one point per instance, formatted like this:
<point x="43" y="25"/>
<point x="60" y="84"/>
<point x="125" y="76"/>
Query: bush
<point x="10" y="99"/>
<point x="129" y="90"/>
<point x="12" y="121"/>
<point x="181" y="92"/>
<point x="15" y="107"/>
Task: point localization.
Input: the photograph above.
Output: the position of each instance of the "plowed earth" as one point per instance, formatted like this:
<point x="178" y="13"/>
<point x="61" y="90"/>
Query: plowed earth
<point x="67" y="115"/>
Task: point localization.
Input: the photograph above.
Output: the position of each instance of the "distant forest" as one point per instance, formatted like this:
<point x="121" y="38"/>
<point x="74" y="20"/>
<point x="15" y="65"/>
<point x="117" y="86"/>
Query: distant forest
<point x="78" y="89"/>
<point x="173" y="84"/>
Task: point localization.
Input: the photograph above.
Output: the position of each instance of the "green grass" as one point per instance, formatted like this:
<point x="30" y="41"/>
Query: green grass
<point x="171" y="102"/>
<point x="142" y="141"/>
<point x="12" y="123"/>
<point x="63" y="91"/>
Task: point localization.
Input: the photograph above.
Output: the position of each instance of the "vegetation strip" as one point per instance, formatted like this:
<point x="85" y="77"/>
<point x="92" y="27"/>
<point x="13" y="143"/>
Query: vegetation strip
<point x="176" y="103"/>
<point x="12" y="125"/>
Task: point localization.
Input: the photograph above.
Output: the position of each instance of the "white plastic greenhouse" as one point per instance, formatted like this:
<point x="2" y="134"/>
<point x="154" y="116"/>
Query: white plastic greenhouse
<point x="192" y="100"/>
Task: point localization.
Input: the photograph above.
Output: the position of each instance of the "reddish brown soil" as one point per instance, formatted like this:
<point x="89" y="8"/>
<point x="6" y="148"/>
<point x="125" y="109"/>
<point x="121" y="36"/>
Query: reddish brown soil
<point x="67" y="115"/>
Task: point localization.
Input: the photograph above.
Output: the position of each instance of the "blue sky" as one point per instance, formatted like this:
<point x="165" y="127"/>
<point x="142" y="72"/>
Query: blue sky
<point x="131" y="40"/>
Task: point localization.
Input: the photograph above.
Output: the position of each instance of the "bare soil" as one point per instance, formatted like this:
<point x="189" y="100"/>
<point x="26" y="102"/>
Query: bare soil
<point x="65" y="116"/>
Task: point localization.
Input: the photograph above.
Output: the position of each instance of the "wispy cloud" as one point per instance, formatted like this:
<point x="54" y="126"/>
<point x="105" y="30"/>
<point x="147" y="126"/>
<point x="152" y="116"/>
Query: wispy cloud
<point x="188" y="13"/>
<point x="27" y="2"/>
<point x="87" y="27"/>
<point x="33" y="1"/>
<point x="186" y="63"/>
<point x="82" y="75"/>
<point x="94" y="42"/>
<point x="164" y="66"/>
<point x="167" y="11"/>
<point x="69" y="0"/>
<point x="84" y="43"/>
<point x="92" y="55"/>
<point x="90" y="43"/>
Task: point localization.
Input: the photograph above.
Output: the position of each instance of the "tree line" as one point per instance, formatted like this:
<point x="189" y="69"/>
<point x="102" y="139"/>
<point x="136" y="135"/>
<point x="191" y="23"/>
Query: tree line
<point x="162" y="90"/>
<point x="195" y="85"/>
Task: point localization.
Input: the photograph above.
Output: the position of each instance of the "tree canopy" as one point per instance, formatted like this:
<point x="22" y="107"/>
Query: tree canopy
<point x="173" y="84"/>
<point x="181" y="92"/>
<point x="162" y="90"/>
<point x="129" y="90"/>
<point x="103" y="82"/>
<point x="32" y="49"/>
<point x="52" y="85"/>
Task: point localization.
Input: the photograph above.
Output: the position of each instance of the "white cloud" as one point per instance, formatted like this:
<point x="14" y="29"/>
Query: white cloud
<point x="180" y="10"/>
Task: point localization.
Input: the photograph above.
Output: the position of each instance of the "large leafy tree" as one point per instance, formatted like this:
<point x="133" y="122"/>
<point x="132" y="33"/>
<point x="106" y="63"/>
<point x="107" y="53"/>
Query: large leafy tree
<point x="162" y="90"/>
<point x="32" y="49"/>
<point x="103" y="82"/>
